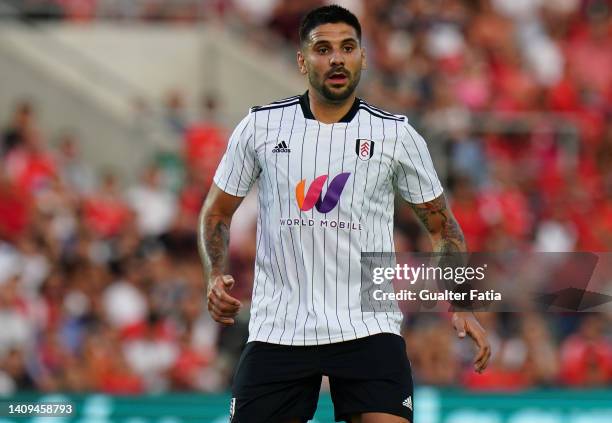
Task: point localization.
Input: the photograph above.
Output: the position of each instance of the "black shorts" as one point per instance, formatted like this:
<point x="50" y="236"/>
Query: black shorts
<point x="275" y="383"/>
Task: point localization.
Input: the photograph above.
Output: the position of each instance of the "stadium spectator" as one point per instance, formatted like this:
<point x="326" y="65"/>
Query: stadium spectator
<point x="15" y="208"/>
<point x="155" y="206"/>
<point x="205" y="142"/>
<point x="30" y="164"/>
<point x="431" y="349"/>
<point x="541" y="359"/>
<point x="175" y="114"/>
<point x="104" y="211"/>
<point x="21" y="124"/>
<point x="125" y="303"/>
<point x="586" y="357"/>
<point x="466" y="202"/>
<point x="505" y="372"/>
<point x="75" y="172"/>
<point x="152" y="354"/>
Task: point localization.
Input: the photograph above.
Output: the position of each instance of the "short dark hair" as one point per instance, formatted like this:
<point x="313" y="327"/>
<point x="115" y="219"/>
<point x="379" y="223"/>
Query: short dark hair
<point x="327" y="14"/>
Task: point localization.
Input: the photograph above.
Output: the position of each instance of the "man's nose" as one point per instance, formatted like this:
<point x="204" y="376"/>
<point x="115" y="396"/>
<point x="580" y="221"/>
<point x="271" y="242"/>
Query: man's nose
<point x="336" y="59"/>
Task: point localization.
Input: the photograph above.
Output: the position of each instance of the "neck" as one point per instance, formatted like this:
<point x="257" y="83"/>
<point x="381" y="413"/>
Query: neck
<point x="326" y="111"/>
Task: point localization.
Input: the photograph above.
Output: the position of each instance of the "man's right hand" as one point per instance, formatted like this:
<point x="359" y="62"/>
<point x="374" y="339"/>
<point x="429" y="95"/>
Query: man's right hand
<point x="222" y="307"/>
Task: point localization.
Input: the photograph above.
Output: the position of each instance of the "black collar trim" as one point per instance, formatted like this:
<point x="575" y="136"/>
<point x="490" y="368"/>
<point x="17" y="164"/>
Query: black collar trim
<point x="305" y="103"/>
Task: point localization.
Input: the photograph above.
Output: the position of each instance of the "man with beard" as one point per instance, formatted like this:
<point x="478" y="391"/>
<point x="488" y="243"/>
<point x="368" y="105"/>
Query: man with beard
<point x="325" y="160"/>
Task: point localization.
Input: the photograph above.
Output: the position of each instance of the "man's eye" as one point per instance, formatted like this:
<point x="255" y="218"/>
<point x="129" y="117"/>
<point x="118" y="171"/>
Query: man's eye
<point x="323" y="50"/>
<point x="348" y="49"/>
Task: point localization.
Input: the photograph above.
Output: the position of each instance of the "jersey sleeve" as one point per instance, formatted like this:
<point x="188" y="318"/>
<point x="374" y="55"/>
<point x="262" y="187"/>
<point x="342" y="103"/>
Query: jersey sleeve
<point x="414" y="175"/>
<point x="239" y="167"/>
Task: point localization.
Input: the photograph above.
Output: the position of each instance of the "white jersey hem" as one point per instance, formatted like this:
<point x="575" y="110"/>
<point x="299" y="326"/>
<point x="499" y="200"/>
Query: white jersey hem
<point x="323" y="341"/>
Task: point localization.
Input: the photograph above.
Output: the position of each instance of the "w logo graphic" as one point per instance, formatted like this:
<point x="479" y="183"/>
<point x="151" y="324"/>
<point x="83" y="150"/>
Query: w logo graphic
<point x="314" y="196"/>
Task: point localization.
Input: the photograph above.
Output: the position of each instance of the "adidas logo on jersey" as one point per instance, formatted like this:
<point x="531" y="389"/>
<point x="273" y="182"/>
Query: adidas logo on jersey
<point x="408" y="403"/>
<point x="281" y="147"/>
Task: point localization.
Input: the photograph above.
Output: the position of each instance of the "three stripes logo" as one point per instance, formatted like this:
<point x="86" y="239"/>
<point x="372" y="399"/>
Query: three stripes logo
<point x="281" y="147"/>
<point x="408" y="403"/>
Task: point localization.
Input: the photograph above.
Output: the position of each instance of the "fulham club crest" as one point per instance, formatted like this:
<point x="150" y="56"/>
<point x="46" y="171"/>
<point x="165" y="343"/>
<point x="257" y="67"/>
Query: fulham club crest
<point x="364" y="148"/>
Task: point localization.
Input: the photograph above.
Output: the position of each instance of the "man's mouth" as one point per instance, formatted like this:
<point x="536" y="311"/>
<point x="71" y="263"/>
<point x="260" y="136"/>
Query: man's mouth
<point x="338" y="77"/>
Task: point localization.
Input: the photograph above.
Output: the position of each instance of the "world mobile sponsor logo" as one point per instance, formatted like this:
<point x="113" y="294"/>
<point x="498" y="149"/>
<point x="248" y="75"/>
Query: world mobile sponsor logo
<point x="322" y="223"/>
<point x="323" y="203"/>
<point x="314" y="197"/>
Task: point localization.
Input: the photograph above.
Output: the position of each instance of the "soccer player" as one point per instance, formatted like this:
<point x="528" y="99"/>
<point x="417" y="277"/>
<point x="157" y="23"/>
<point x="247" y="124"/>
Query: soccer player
<point x="328" y="166"/>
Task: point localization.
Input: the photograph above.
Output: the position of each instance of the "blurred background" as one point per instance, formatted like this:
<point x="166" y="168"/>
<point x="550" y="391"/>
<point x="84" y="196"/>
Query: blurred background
<point x="115" y="113"/>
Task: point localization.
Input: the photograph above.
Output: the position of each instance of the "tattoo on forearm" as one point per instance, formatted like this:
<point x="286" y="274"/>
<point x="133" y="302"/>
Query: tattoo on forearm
<point x="452" y="238"/>
<point x="441" y="225"/>
<point x="213" y="242"/>
<point x="217" y="241"/>
<point x="446" y="236"/>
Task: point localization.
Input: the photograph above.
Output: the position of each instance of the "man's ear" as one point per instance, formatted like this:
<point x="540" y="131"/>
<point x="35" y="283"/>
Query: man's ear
<point x="364" y="62"/>
<point x="301" y="64"/>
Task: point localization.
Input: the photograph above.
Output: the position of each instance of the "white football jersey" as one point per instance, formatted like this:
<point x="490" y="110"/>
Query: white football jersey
<point x="326" y="194"/>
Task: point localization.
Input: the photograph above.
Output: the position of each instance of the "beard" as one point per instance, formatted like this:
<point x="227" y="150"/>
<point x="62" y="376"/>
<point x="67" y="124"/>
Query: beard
<point x="336" y="96"/>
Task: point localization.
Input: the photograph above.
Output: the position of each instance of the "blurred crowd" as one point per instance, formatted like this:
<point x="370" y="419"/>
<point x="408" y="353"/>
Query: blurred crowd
<point x="176" y="11"/>
<point x="101" y="287"/>
<point x="529" y="350"/>
<point x="496" y="85"/>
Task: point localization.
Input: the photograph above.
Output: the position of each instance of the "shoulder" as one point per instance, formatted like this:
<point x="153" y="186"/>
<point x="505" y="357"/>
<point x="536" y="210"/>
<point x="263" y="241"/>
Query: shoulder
<point x="380" y="113"/>
<point x="279" y="104"/>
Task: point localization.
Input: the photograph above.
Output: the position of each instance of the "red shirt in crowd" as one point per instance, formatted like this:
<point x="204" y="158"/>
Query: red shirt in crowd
<point x="586" y="363"/>
<point x="106" y="215"/>
<point x="15" y="205"/>
<point x="31" y="171"/>
<point x="204" y="146"/>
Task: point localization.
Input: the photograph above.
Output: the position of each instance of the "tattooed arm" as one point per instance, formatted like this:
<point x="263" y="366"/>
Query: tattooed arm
<point x="213" y="242"/>
<point x="447" y="238"/>
<point x="445" y="233"/>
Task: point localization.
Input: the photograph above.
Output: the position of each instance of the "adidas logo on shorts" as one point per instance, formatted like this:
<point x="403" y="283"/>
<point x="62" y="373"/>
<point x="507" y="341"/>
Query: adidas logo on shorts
<point x="408" y="403"/>
<point x="232" y="409"/>
<point x="281" y="147"/>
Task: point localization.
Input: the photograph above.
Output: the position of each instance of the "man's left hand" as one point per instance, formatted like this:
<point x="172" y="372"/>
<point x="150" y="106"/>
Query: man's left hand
<point x="465" y="323"/>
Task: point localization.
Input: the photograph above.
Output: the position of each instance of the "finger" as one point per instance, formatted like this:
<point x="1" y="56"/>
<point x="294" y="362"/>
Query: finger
<point x="221" y="309"/>
<point x="224" y="320"/>
<point x="484" y="361"/>
<point x="484" y="353"/>
<point x="478" y="338"/>
<point x="223" y="296"/>
<point x="487" y="359"/>
<point x="227" y="310"/>
<point x="478" y="335"/>
<point x="224" y="313"/>
<point x="228" y="281"/>
<point x="459" y="324"/>
<point x="480" y="359"/>
<point x="480" y="367"/>
<point x="225" y="306"/>
<point x="225" y="282"/>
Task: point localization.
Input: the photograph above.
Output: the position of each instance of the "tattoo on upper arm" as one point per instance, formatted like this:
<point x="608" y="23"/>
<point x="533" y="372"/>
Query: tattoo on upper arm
<point x="441" y="224"/>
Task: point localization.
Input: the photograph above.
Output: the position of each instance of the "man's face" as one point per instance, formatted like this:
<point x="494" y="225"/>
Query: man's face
<point x="333" y="59"/>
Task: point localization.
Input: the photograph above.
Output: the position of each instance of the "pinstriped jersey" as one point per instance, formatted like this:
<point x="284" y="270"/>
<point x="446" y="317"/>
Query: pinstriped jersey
<point x="326" y="194"/>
